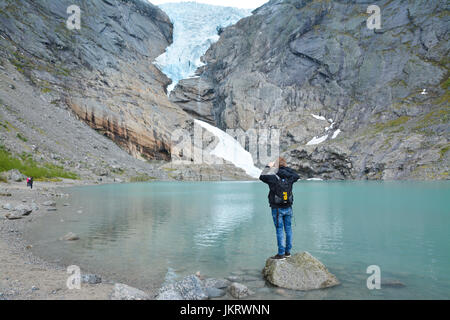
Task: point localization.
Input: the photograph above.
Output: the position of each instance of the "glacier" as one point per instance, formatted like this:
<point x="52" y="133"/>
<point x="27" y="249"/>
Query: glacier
<point x="195" y="30"/>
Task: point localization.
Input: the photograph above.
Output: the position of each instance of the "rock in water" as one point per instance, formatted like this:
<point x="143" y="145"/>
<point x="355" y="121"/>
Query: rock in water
<point x="299" y="272"/>
<point x="70" y="237"/>
<point x="239" y="291"/>
<point x="188" y="288"/>
<point x="123" y="292"/>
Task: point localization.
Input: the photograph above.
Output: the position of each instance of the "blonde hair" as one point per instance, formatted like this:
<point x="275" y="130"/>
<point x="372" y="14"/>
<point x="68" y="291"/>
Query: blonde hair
<point x="281" y="162"/>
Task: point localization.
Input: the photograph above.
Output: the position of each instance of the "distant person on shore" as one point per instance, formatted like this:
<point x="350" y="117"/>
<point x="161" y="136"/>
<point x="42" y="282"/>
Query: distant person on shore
<point x="30" y="182"/>
<point x="280" y="179"/>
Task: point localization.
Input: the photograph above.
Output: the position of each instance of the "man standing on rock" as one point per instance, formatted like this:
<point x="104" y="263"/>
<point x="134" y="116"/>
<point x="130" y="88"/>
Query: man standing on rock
<point x="280" y="179"/>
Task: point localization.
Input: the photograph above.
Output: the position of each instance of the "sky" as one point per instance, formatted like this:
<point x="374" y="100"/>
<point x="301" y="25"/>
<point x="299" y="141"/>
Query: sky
<point x="249" y="4"/>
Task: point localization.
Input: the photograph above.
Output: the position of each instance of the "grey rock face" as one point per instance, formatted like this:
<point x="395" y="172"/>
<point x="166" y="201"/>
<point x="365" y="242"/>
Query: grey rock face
<point x="188" y="288"/>
<point x="239" y="291"/>
<point x="109" y="57"/>
<point x="124" y="292"/>
<point x="299" y="272"/>
<point x="293" y="59"/>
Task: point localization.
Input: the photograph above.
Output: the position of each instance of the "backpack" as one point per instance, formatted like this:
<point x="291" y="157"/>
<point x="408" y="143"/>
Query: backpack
<point x="283" y="192"/>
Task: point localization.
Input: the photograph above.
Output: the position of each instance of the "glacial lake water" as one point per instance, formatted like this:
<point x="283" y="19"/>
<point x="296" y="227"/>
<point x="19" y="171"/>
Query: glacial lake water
<point x="146" y="232"/>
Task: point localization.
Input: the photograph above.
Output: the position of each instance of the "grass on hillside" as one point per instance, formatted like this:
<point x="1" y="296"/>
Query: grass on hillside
<point x="30" y="168"/>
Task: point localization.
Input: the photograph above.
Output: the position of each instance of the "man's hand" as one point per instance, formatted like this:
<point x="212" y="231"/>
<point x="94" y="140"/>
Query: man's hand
<point x="271" y="164"/>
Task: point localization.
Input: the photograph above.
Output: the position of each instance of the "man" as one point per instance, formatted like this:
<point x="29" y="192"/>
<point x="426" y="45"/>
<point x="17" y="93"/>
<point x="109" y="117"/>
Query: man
<point x="280" y="179"/>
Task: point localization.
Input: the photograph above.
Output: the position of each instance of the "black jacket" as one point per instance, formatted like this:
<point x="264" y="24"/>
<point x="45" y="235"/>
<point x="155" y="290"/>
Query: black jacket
<point x="268" y="176"/>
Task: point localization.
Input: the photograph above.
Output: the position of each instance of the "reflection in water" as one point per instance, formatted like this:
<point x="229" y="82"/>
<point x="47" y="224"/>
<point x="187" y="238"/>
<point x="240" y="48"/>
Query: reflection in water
<point x="223" y="219"/>
<point x="146" y="232"/>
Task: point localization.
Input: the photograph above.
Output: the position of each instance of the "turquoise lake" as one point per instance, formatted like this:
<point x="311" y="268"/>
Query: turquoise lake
<point x="145" y="232"/>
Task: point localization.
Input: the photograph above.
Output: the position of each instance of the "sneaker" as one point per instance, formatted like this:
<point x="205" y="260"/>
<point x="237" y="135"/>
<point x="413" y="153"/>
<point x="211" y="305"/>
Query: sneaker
<point x="278" y="257"/>
<point x="287" y="254"/>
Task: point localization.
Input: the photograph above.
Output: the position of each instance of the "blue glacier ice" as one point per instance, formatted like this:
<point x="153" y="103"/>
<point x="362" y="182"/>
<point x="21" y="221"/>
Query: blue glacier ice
<point x="195" y="29"/>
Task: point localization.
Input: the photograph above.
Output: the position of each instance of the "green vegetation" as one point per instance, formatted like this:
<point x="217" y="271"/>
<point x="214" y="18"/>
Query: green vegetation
<point x="433" y="117"/>
<point x="391" y="124"/>
<point x="21" y="137"/>
<point x="142" y="178"/>
<point x="444" y="150"/>
<point x="27" y="166"/>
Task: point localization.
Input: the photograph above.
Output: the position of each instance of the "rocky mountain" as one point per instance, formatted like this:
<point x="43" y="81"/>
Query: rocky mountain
<point x="103" y="74"/>
<point x="351" y="102"/>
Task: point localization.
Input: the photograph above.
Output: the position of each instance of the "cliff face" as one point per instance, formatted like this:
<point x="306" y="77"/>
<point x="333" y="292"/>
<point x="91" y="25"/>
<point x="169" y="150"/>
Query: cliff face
<point x="103" y="72"/>
<point x="314" y="69"/>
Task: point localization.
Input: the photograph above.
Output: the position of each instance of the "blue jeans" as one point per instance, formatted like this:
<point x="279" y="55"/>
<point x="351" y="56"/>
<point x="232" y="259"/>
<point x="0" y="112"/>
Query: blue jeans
<point x="284" y="222"/>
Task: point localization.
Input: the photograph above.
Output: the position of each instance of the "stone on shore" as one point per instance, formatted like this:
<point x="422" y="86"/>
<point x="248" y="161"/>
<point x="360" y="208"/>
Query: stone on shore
<point x="301" y="271"/>
<point x="239" y="291"/>
<point x="123" y="292"/>
<point x="23" y="210"/>
<point x="188" y="288"/>
<point x="49" y="203"/>
<point x="91" y="278"/>
<point x="13" y="216"/>
<point x="7" y="206"/>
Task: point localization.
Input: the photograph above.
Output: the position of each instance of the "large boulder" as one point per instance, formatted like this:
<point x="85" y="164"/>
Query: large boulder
<point x="301" y="271"/>
<point x="14" y="175"/>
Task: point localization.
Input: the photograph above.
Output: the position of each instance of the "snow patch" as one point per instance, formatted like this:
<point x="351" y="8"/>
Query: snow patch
<point x="231" y="150"/>
<point x="319" y="117"/>
<point x="316" y="140"/>
<point x="314" y="179"/>
<point x="335" y="134"/>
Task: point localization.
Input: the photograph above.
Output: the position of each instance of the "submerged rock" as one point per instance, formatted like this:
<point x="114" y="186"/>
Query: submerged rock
<point x="188" y="288"/>
<point x="123" y="292"/>
<point x="299" y="272"/>
<point x="214" y="292"/>
<point x="239" y="291"/>
<point x="70" y="237"/>
<point x="216" y="283"/>
<point x="392" y="283"/>
<point x="49" y="203"/>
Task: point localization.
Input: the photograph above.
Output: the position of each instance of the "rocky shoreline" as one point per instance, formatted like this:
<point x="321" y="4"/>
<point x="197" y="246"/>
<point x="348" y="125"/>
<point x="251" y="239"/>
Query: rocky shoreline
<point x="23" y="275"/>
